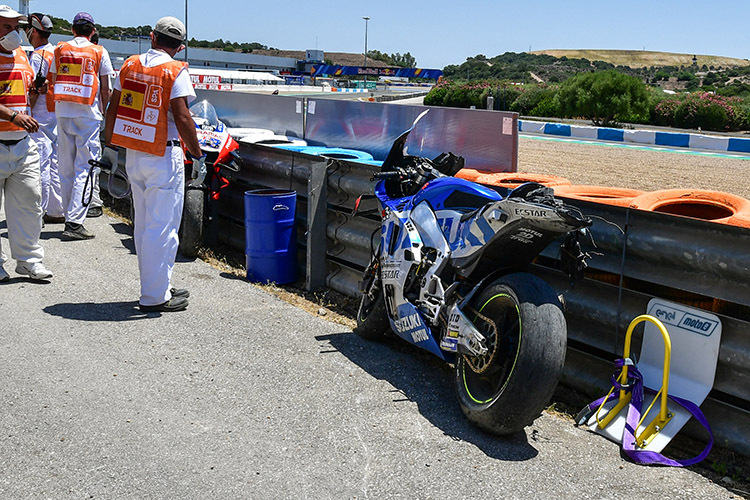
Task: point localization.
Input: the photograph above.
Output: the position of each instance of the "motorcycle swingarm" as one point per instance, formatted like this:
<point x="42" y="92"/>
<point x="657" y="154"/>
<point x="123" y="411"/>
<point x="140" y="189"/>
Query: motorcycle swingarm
<point x="462" y="336"/>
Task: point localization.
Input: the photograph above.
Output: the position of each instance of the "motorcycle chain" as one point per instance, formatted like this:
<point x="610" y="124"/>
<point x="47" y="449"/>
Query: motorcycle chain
<point x="490" y="356"/>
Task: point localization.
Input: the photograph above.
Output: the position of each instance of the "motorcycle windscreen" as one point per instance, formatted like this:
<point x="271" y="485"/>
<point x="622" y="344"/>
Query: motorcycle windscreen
<point x="428" y="227"/>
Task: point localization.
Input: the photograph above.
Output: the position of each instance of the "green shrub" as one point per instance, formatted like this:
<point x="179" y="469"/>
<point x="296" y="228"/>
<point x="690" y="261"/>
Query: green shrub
<point x="459" y="95"/>
<point x="436" y="95"/>
<point x="547" y="107"/>
<point x="710" y="112"/>
<point x="505" y="95"/>
<point x="605" y="97"/>
<point x="663" y="112"/>
<point x="530" y="98"/>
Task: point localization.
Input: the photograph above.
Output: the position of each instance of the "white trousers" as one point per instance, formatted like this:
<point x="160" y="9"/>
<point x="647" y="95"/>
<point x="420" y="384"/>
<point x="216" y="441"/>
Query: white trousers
<point x="77" y="143"/>
<point x="46" y="141"/>
<point x="158" y="186"/>
<point x="21" y="188"/>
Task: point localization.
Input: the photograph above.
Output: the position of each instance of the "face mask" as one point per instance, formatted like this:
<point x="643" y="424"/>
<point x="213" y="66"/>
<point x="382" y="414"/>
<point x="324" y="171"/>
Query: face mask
<point x="11" y="41"/>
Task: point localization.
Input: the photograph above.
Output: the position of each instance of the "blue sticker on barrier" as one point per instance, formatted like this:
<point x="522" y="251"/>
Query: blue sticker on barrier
<point x="557" y="129"/>
<point x="610" y="134"/>
<point x="671" y="139"/>
<point x="739" y="145"/>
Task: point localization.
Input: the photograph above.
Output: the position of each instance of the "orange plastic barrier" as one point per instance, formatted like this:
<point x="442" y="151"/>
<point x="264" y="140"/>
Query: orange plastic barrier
<point x="621" y="197"/>
<point x="714" y="206"/>
<point x="512" y="180"/>
<point x="470" y="174"/>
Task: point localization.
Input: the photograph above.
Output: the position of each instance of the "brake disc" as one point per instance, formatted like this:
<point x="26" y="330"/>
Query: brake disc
<point x="480" y="364"/>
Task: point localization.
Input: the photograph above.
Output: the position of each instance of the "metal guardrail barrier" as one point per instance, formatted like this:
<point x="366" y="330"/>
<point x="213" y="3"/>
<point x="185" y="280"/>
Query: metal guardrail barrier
<point x="698" y="263"/>
<point x="679" y="259"/>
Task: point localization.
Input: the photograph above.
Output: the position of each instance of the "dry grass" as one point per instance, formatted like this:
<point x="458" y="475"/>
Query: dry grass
<point x="645" y="58"/>
<point x="332" y="305"/>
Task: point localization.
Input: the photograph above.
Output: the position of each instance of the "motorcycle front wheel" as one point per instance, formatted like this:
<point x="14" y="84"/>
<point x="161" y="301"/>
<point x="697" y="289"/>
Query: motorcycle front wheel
<point x="372" y="317"/>
<point x="504" y="390"/>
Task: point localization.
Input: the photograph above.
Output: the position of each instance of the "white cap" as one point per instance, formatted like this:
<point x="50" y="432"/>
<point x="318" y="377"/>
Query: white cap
<point x="8" y="13"/>
<point x="171" y="27"/>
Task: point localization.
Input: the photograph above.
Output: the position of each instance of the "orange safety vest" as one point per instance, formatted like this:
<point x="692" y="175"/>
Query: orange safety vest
<point x="77" y="73"/>
<point x="15" y="80"/>
<point x="47" y="57"/>
<point x="141" y="122"/>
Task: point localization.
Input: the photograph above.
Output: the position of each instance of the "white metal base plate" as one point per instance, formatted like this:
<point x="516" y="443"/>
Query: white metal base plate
<point x="695" y="336"/>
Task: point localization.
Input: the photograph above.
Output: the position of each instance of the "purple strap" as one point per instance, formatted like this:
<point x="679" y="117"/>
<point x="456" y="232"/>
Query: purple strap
<point x="636" y="388"/>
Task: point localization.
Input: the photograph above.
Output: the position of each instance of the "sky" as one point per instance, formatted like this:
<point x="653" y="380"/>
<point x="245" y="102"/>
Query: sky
<point x="442" y="32"/>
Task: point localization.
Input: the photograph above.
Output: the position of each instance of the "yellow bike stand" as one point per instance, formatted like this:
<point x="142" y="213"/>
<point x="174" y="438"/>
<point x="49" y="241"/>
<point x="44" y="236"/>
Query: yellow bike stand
<point x="679" y="342"/>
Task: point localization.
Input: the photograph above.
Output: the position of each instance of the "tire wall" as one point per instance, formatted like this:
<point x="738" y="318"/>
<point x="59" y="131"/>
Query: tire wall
<point x="599" y="194"/>
<point x="714" y="206"/>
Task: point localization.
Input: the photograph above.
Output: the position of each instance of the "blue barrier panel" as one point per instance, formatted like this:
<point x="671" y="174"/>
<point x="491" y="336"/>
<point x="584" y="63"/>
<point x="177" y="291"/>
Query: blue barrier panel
<point x="557" y="129"/>
<point x="610" y="134"/>
<point x="671" y="139"/>
<point x="336" y="153"/>
<point x="739" y="145"/>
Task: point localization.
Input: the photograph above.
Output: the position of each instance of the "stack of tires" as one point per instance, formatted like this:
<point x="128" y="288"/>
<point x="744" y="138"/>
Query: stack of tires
<point x="714" y="206"/>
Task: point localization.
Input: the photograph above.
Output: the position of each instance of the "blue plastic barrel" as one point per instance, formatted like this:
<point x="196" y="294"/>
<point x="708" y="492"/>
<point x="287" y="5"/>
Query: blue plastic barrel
<point x="270" y="236"/>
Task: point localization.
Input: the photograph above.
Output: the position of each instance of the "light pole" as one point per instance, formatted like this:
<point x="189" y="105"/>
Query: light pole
<point x="186" y="38"/>
<point x="367" y="19"/>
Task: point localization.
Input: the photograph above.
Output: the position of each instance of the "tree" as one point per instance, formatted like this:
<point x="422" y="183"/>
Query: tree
<point x="604" y="97"/>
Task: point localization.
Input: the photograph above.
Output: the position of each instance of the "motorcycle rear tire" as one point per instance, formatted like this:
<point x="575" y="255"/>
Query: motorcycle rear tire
<point x="518" y="381"/>
<point x="191" y="229"/>
<point x="372" y="316"/>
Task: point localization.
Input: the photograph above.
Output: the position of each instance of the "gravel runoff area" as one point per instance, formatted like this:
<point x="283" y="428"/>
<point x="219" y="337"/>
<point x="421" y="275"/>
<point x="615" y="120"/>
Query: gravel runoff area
<point x="635" y="167"/>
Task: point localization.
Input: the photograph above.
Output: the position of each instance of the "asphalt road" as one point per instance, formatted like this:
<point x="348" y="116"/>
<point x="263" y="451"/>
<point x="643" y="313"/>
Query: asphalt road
<point x="245" y="396"/>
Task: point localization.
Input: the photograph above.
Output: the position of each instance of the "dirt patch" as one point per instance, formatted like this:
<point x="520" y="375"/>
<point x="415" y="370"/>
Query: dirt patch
<point x="633" y="167"/>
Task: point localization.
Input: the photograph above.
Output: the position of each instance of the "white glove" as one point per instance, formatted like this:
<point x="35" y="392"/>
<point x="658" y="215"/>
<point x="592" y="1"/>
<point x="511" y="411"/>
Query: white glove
<point x="199" y="168"/>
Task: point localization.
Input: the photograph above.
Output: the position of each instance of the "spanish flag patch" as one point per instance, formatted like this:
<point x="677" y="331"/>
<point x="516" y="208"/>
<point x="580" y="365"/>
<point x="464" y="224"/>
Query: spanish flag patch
<point x="70" y="69"/>
<point x="12" y="88"/>
<point x="131" y="99"/>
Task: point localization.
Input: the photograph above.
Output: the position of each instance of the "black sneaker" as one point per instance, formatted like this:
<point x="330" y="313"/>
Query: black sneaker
<point x="94" y="212"/>
<point x="53" y="219"/>
<point x="172" y="305"/>
<point x="179" y="292"/>
<point x="75" y="231"/>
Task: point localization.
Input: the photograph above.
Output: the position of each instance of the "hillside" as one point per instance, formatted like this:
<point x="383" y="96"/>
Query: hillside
<point x="644" y="58"/>
<point x="337" y="58"/>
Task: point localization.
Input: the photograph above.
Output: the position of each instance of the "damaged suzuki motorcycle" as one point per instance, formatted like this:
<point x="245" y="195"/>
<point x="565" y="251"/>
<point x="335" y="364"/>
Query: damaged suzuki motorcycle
<point x="449" y="275"/>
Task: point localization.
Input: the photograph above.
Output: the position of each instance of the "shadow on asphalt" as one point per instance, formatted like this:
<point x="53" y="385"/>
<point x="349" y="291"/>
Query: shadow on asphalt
<point x="231" y="276"/>
<point x="125" y="230"/>
<point x="105" y="311"/>
<point x="421" y="378"/>
<point x="52" y="232"/>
